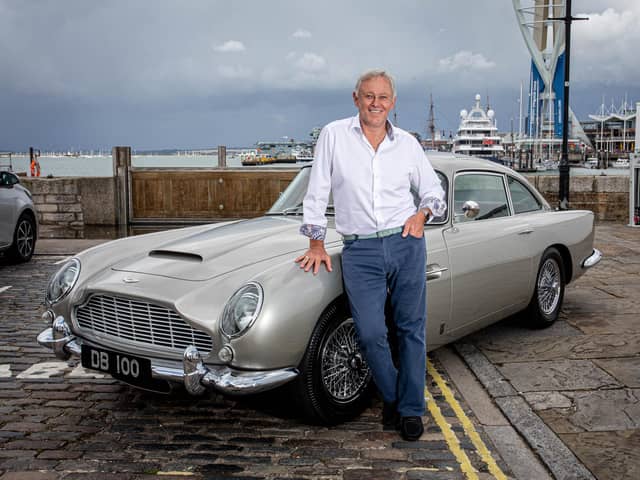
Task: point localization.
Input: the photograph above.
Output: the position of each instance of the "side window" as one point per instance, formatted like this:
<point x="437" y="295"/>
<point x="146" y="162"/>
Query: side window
<point x="486" y="190"/>
<point x="522" y="198"/>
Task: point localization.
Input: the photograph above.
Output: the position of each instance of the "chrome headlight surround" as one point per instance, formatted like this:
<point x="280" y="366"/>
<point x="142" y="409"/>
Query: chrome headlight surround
<point x="63" y="281"/>
<point x="241" y="310"/>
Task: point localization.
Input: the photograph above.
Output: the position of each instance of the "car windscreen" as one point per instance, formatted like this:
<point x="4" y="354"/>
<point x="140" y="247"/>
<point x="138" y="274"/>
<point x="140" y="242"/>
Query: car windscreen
<point x="290" y="201"/>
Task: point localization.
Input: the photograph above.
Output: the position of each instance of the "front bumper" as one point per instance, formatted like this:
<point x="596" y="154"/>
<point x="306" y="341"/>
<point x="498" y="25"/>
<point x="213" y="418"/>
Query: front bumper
<point x="192" y="372"/>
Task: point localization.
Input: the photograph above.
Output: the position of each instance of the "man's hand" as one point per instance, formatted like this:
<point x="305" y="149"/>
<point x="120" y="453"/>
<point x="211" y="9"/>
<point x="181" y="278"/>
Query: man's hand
<point x="414" y="225"/>
<point x="314" y="257"/>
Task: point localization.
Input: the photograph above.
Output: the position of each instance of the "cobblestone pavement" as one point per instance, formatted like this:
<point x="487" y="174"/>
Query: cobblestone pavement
<point x="573" y="390"/>
<point x="58" y="421"/>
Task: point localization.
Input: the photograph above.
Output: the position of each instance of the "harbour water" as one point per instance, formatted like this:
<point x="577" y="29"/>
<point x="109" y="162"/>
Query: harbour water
<point x="102" y="166"/>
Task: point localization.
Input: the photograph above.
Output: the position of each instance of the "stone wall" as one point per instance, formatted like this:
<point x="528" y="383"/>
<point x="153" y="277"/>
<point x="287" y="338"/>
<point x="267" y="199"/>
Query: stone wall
<point x="66" y="204"/>
<point x="606" y="196"/>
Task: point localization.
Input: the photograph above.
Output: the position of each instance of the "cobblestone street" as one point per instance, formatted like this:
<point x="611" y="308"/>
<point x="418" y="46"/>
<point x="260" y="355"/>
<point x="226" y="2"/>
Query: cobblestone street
<point x="60" y="421"/>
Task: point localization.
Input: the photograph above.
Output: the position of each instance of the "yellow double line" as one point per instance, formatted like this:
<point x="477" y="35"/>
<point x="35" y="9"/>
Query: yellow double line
<point x="469" y="429"/>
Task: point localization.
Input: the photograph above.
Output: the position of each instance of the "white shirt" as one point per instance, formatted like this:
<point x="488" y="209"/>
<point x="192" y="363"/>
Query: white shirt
<point x="371" y="189"/>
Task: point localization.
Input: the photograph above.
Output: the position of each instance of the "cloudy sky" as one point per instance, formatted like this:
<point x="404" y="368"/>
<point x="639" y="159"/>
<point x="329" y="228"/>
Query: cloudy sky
<point x="88" y="74"/>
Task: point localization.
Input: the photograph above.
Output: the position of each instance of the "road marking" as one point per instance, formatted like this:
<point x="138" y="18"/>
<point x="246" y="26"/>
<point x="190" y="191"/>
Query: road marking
<point x="467" y="425"/>
<point x="5" y="371"/>
<point x="80" y="372"/>
<point x="450" y="437"/>
<point x="44" y="370"/>
<point x="4" y="289"/>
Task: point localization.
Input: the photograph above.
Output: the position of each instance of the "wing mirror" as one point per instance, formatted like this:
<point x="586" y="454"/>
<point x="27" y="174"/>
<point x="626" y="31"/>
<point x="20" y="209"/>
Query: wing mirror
<point x="470" y="209"/>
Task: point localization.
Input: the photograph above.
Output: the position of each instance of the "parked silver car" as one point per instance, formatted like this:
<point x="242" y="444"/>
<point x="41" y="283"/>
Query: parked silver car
<point x="224" y="306"/>
<point x="18" y="224"/>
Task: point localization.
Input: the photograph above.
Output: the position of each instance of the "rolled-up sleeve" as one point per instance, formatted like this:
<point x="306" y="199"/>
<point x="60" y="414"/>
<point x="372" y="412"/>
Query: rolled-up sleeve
<point x="430" y="191"/>
<point x="314" y="220"/>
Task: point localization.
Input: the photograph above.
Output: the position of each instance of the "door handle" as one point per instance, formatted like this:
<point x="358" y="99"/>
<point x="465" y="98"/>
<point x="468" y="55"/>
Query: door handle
<point x="435" y="271"/>
<point x="525" y="232"/>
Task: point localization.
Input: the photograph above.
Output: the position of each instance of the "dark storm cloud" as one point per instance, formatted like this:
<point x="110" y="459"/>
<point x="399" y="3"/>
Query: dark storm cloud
<point x="158" y="74"/>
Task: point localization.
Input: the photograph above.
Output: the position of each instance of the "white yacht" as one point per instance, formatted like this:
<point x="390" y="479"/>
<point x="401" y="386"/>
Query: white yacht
<point x="477" y="134"/>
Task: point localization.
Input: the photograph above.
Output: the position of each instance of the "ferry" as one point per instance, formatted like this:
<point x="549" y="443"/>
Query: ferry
<point x="477" y="134"/>
<point x="267" y="153"/>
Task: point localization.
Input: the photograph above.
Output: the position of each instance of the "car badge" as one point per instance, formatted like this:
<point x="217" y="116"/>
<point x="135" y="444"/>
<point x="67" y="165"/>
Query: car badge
<point x="130" y="280"/>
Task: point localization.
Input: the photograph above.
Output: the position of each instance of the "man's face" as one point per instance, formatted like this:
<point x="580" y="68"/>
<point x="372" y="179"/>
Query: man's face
<point x="374" y="100"/>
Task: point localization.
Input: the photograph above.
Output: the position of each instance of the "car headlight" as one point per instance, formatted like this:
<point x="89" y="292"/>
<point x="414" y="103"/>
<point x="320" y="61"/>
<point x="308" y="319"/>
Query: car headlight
<point x="63" y="281"/>
<point x="241" y="310"/>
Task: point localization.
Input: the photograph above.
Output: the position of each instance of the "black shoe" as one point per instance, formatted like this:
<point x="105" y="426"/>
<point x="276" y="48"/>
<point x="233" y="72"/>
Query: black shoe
<point x="390" y="416"/>
<point x="411" y="428"/>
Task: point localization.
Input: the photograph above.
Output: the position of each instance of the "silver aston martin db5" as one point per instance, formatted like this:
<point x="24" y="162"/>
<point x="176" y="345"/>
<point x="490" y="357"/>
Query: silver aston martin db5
<point x="224" y="306"/>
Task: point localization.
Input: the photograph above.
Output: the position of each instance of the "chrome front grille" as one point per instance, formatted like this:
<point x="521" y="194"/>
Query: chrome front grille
<point x="141" y="322"/>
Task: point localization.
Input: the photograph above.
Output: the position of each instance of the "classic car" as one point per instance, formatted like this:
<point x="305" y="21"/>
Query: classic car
<point x="18" y="224"/>
<point x="224" y="306"/>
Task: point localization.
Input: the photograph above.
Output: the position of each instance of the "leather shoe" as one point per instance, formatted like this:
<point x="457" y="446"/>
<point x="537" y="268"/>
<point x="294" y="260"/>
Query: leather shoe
<point x="390" y="416"/>
<point x="411" y="428"/>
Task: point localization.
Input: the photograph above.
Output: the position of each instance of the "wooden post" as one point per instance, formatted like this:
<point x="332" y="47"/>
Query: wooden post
<point x="222" y="156"/>
<point x="121" y="157"/>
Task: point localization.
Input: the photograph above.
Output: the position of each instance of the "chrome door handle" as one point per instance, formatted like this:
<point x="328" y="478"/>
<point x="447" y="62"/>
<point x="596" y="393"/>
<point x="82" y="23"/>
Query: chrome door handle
<point x="435" y="271"/>
<point x="525" y="232"/>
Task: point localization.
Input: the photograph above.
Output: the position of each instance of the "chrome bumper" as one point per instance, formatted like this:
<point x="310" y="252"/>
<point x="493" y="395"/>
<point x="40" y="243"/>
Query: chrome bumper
<point x="592" y="259"/>
<point x="192" y="373"/>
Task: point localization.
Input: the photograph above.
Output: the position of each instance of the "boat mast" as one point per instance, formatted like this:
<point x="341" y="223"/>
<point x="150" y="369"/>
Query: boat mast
<point x="432" y="122"/>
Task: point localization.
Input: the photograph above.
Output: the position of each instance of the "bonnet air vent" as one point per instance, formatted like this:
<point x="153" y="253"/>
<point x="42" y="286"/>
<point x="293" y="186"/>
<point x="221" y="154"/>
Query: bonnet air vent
<point x="173" y="255"/>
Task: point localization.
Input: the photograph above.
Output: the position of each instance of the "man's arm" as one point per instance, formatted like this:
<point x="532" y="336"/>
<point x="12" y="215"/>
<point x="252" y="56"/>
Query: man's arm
<point x="314" y="221"/>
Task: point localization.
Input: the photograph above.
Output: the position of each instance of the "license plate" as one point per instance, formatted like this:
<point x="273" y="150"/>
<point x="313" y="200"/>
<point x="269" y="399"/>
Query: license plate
<point x="128" y="368"/>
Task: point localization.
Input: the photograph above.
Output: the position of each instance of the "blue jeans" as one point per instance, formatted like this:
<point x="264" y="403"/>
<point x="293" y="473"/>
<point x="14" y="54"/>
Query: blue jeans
<point x="396" y="265"/>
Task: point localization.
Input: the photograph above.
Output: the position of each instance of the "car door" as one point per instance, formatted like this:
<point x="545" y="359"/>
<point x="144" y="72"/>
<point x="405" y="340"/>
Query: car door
<point x="7" y="209"/>
<point x="490" y="263"/>
<point x="438" y="286"/>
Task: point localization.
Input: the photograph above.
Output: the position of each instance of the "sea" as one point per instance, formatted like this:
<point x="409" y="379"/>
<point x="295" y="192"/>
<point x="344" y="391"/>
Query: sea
<point x="102" y="165"/>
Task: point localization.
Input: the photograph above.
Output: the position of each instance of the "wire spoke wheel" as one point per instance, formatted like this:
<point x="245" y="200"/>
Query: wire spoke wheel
<point x="549" y="282"/>
<point x="343" y="369"/>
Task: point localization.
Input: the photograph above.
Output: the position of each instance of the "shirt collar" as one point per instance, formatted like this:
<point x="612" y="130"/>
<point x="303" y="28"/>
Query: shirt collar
<point x="355" y="125"/>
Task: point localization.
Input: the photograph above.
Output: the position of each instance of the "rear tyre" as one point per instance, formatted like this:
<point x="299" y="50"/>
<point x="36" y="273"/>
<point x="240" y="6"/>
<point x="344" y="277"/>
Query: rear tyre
<point x="544" y="308"/>
<point x="335" y="383"/>
<point x="24" y="239"/>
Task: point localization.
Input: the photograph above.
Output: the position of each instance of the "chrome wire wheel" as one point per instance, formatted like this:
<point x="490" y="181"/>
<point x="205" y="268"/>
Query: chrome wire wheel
<point x="549" y="286"/>
<point x="25" y="238"/>
<point x="344" y="371"/>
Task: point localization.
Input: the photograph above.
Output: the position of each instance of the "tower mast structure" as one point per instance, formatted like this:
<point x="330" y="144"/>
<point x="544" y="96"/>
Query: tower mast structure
<point x="431" y="127"/>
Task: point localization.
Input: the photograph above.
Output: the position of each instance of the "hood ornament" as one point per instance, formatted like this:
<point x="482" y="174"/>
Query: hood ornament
<point x="130" y="280"/>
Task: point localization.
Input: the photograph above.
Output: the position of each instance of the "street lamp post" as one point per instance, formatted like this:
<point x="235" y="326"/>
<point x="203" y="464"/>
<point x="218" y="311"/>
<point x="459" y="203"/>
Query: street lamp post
<point x="563" y="167"/>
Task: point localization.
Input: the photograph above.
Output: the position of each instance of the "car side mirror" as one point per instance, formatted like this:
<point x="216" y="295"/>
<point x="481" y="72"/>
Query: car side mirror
<point x="470" y="209"/>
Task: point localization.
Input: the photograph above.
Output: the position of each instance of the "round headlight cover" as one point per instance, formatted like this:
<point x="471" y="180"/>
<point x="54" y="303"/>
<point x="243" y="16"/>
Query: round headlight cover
<point x="63" y="281"/>
<point x="241" y="310"/>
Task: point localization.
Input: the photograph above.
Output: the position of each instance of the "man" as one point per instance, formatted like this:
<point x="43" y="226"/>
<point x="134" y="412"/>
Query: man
<point x="372" y="167"/>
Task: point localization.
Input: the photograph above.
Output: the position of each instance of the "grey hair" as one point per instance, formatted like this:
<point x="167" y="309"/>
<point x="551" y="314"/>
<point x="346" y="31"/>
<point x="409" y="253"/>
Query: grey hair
<point x="368" y="75"/>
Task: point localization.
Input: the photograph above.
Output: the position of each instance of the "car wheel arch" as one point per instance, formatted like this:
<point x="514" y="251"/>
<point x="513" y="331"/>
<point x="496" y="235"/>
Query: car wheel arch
<point x="567" y="262"/>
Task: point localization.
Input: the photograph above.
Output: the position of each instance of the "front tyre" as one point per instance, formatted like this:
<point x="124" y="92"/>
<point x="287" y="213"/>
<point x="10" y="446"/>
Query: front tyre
<point x="334" y="384"/>
<point x="544" y="308"/>
<point x="24" y="239"/>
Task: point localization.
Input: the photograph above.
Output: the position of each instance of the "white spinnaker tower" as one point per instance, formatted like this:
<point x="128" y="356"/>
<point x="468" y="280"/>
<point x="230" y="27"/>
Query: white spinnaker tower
<point x="545" y="41"/>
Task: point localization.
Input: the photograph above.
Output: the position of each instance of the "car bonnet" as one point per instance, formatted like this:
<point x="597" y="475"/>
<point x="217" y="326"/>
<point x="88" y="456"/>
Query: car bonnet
<point x="219" y="251"/>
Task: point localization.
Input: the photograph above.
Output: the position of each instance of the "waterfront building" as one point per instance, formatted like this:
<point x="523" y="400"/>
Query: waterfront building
<point x="612" y="130"/>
